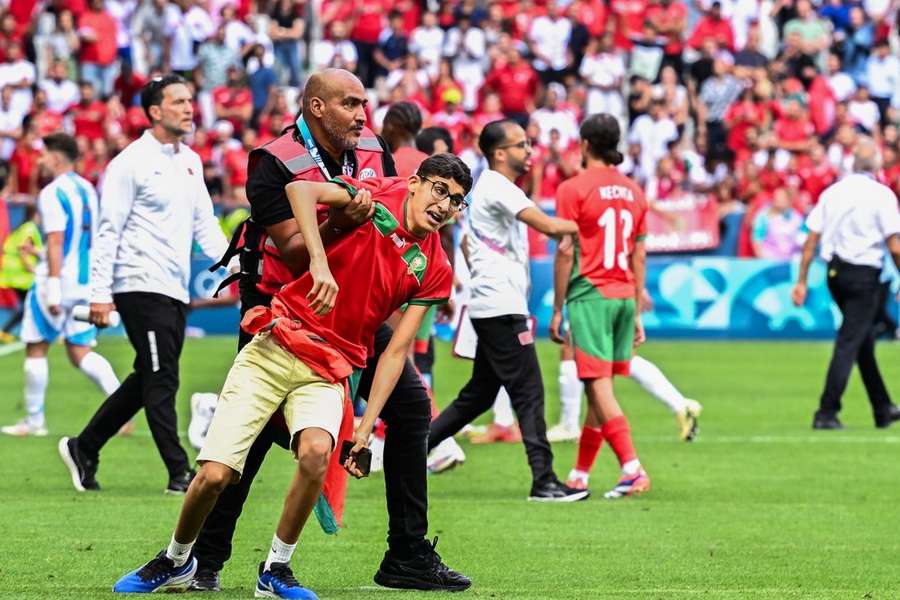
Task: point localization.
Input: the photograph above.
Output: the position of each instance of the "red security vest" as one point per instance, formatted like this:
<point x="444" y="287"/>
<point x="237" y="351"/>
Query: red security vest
<point x="293" y="155"/>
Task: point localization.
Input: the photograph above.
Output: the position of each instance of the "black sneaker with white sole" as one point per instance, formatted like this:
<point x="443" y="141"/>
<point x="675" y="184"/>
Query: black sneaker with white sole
<point x="206" y="579"/>
<point x="179" y="484"/>
<point x="556" y="491"/>
<point x="82" y="469"/>
<point x="424" y="572"/>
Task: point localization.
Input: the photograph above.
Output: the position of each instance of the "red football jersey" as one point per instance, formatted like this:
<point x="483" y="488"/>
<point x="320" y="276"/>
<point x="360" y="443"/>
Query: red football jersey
<point x="378" y="267"/>
<point x="610" y="210"/>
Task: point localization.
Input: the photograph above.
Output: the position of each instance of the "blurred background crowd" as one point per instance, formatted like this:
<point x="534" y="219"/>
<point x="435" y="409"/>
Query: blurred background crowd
<point x="748" y="108"/>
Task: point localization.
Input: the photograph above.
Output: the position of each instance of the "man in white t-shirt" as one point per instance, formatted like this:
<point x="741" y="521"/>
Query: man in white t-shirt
<point x="853" y="222"/>
<point x="549" y="38"/>
<point x="496" y="250"/>
<point x="427" y="43"/>
<point x="338" y="52"/>
<point x="62" y="92"/>
<point x="653" y="132"/>
<point x="551" y="116"/>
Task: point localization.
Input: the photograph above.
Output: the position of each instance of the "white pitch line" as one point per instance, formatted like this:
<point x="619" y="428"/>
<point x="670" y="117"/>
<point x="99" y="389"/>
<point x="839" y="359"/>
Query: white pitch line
<point x="6" y="349"/>
<point x="822" y="438"/>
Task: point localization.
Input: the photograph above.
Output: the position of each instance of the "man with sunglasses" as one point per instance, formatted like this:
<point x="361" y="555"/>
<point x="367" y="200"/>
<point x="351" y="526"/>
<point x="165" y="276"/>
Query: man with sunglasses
<point x="496" y="250"/>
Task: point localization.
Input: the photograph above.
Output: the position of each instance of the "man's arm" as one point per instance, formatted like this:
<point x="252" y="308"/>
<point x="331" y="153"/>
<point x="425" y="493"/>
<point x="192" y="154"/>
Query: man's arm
<point x="798" y="294"/>
<point x="893" y="245"/>
<point x="387" y="371"/>
<point x="639" y="268"/>
<point x="552" y="226"/>
<point x="207" y="232"/>
<point x="54" y="268"/>
<point x="562" y="272"/>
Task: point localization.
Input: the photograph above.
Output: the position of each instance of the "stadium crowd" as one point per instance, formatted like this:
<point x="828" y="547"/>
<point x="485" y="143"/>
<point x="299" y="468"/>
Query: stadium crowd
<point x="757" y="103"/>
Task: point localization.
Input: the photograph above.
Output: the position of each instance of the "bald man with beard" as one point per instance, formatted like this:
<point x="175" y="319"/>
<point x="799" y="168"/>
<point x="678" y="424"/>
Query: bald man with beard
<point x="333" y="123"/>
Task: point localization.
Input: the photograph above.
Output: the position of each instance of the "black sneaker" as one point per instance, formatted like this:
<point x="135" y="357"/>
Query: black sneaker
<point x="426" y="572"/>
<point x="556" y="491"/>
<point x="826" y="422"/>
<point x="179" y="484"/>
<point x="82" y="469"/>
<point x="887" y="418"/>
<point x="206" y="579"/>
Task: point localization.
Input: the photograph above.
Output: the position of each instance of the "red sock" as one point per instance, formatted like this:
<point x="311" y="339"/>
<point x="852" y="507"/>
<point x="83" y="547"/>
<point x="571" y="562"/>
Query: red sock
<point x="618" y="433"/>
<point x="588" y="448"/>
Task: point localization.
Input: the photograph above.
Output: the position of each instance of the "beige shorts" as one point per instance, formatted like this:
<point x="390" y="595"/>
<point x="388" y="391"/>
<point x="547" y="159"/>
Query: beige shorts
<point x="265" y="376"/>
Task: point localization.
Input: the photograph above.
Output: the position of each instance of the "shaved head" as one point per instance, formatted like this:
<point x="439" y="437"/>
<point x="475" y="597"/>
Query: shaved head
<point x="330" y="83"/>
<point x="334" y="107"/>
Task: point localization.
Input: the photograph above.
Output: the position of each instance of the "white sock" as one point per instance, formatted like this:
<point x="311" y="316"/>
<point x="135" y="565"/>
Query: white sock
<point x="37" y="374"/>
<point x="570" y="390"/>
<point x="279" y="552"/>
<point x="652" y="379"/>
<point x="100" y="372"/>
<point x="503" y="413"/>
<point x="178" y="552"/>
<point x="631" y="467"/>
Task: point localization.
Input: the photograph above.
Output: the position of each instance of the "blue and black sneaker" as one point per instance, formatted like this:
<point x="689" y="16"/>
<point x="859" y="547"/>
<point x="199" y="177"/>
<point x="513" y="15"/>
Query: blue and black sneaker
<point x="279" y="582"/>
<point x="158" y="574"/>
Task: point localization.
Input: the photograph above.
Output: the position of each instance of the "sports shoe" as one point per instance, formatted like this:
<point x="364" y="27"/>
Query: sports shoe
<point x="179" y="484"/>
<point x="203" y="407"/>
<point x="445" y="456"/>
<point x="23" y="429"/>
<point x="498" y="433"/>
<point x="556" y="491"/>
<point x="81" y="468"/>
<point x="426" y="572"/>
<point x="578" y="480"/>
<point x="888" y="417"/>
<point x="826" y="422"/>
<point x="376" y="446"/>
<point x="688" y="420"/>
<point x="158" y="574"/>
<point x="630" y="485"/>
<point x="563" y="433"/>
<point x="206" y="579"/>
<point x="279" y="582"/>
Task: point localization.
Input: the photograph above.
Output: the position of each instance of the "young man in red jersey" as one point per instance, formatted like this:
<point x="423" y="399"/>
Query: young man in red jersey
<point x="309" y="343"/>
<point x="601" y="282"/>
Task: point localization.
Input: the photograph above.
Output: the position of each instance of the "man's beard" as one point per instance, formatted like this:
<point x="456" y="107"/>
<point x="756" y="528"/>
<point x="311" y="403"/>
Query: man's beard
<point x="339" y="136"/>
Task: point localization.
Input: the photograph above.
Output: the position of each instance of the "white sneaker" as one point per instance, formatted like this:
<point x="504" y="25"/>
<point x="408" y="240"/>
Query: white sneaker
<point x="23" y="429"/>
<point x="563" y="433"/>
<point x="445" y="456"/>
<point x="376" y="446"/>
<point x="203" y="407"/>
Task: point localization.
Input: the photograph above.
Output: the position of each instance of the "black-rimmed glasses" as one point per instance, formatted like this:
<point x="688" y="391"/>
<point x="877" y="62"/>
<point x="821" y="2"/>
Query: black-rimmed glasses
<point x="441" y="192"/>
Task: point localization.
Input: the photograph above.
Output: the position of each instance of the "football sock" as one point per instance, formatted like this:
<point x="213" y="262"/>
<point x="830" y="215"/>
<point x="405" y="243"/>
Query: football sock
<point x="100" y="372"/>
<point x="279" y="552"/>
<point x="178" y="552"/>
<point x="618" y="434"/>
<point x="570" y="390"/>
<point x="503" y="413"/>
<point x="588" y="448"/>
<point x="649" y="377"/>
<point x="36" y="376"/>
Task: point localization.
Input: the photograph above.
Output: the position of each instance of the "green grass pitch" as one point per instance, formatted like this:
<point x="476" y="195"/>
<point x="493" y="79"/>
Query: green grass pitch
<point x="759" y="507"/>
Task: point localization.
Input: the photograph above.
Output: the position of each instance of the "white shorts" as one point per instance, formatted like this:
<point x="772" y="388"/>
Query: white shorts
<point x="38" y="325"/>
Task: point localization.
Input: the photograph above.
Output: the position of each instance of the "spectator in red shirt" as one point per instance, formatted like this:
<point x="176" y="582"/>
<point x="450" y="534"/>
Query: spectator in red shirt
<point x="669" y="19"/>
<point x="97" y="31"/>
<point x="89" y="115"/>
<point x="368" y="23"/>
<point x="815" y="172"/>
<point x="234" y="101"/>
<point x="714" y="27"/>
<point x="629" y="17"/>
<point x="517" y="84"/>
<point x="742" y="115"/>
<point x="452" y="118"/>
<point x="235" y="163"/>
<point x="128" y="85"/>
<point x="793" y="129"/>
<point x="593" y="14"/>
<point x="490" y="110"/>
<point x="23" y="172"/>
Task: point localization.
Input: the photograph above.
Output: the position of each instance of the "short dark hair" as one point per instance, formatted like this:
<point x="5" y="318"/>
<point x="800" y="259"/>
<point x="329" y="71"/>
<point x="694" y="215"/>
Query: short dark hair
<point x="63" y="143"/>
<point x="448" y="166"/>
<point x="601" y="132"/>
<point x="152" y="94"/>
<point x="428" y="136"/>
<point x="401" y="123"/>
<point x="492" y="136"/>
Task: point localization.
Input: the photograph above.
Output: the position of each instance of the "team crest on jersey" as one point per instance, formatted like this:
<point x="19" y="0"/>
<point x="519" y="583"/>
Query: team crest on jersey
<point x="416" y="264"/>
<point x="367" y="173"/>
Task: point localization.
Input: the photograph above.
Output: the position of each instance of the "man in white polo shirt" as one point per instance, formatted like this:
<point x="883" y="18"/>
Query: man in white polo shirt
<point x="154" y="206"/>
<point x="497" y="254"/>
<point x="855" y="220"/>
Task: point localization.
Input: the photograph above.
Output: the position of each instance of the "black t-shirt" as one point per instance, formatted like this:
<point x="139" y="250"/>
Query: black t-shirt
<point x="266" y="181"/>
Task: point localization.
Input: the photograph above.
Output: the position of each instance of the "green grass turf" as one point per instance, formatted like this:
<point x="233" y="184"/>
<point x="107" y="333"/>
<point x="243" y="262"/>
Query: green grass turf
<point x="759" y="507"/>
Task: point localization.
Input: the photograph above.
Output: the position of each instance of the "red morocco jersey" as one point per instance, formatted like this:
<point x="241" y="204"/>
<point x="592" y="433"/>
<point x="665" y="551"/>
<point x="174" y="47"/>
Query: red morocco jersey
<point x="378" y="267"/>
<point x="610" y="210"/>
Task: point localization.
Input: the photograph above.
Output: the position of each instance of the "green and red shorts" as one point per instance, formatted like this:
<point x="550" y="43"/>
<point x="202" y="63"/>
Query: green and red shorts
<point x="603" y="335"/>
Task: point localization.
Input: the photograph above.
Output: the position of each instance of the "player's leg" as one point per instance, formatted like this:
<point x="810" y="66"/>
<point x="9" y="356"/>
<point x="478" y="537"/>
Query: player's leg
<point x="255" y="387"/>
<point x="590" y="441"/>
<point x="654" y="381"/>
<point x="503" y="427"/>
<point x="570" y="392"/>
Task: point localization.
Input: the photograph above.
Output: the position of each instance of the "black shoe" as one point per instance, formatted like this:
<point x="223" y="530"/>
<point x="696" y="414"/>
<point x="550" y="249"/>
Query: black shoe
<point x="886" y="419"/>
<point x="556" y="491"/>
<point x="827" y="422"/>
<point x="425" y="572"/>
<point x="180" y="483"/>
<point x="206" y="579"/>
<point x="82" y="469"/>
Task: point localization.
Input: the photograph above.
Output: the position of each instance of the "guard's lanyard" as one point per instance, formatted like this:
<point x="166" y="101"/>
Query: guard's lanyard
<point x="313" y="150"/>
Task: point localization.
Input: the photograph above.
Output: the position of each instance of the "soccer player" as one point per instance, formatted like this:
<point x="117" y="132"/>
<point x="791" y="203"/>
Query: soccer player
<point x="304" y="353"/>
<point x="601" y="282"/>
<point x="68" y="211"/>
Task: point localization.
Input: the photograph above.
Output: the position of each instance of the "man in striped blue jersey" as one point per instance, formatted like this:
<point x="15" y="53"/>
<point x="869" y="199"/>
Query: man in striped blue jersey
<point x="68" y="217"/>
